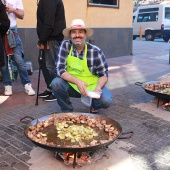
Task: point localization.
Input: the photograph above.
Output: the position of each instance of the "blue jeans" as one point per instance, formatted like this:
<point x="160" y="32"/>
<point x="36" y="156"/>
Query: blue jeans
<point x="5" y="73"/>
<point x="19" y="61"/>
<point x="63" y="91"/>
<point x="47" y="63"/>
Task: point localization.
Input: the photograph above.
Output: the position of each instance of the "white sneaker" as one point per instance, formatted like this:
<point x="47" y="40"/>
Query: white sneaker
<point x="8" y="90"/>
<point x="29" y="90"/>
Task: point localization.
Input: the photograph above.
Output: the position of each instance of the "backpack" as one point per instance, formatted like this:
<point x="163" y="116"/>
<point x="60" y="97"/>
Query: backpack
<point x="4" y="20"/>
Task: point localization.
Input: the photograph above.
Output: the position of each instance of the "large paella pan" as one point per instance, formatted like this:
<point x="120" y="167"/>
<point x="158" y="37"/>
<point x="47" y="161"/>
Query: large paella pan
<point x="46" y="131"/>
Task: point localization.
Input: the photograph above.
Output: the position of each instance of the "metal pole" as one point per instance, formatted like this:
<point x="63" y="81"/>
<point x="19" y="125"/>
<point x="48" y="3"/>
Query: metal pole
<point x="40" y="59"/>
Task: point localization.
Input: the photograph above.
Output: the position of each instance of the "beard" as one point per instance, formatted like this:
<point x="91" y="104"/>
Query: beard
<point x="78" y="44"/>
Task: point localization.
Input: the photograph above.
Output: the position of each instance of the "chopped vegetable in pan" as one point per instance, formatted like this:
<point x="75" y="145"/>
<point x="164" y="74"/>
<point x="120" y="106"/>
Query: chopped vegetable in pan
<point x="74" y="133"/>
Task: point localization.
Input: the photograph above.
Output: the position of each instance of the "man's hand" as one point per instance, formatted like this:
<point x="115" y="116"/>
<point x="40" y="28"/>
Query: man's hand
<point x="81" y="86"/>
<point x="40" y="46"/>
<point x="98" y="89"/>
<point x="101" y="83"/>
<point x="19" y="13"/>
<point x="9" y="8"/>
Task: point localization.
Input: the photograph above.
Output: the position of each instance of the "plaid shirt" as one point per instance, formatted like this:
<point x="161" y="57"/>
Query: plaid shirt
<point x="96" y="60"/>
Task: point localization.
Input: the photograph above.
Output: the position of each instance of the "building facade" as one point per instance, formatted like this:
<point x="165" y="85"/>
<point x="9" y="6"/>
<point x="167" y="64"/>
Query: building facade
<point x="110" y="19"/>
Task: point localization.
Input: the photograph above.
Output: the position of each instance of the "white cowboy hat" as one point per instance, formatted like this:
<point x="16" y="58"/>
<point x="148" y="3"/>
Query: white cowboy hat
<point x="77" y="24"/>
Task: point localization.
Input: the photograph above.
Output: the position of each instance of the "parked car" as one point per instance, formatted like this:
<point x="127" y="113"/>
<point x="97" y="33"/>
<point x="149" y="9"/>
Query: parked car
<point x="153" y="20"/>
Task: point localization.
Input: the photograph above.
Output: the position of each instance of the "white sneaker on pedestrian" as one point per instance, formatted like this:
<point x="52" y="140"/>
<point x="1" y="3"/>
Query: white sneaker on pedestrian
<point x="8" y="90"/>
<point x="29" y="90"/>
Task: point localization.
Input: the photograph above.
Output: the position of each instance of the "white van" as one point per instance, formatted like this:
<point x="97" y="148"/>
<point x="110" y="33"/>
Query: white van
<point x="153" y="20"/>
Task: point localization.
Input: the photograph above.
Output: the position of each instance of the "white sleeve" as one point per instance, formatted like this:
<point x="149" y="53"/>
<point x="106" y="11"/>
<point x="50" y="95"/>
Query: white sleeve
<point x="19" y="4"/>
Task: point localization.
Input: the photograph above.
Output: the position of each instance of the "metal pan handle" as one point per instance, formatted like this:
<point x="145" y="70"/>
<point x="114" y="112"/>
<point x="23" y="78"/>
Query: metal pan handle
<point x="138" y="83"/>
<point x="21" y="120"/>
<point x="126" y="135"/>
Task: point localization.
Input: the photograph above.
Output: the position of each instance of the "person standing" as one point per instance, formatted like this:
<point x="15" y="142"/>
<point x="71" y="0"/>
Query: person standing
<point x="4" y="26"/>
<point x="81" y="67"/>
<point x="15" y="10"/>
<point x="4" y="20"/>
<point x="50" y="24"/>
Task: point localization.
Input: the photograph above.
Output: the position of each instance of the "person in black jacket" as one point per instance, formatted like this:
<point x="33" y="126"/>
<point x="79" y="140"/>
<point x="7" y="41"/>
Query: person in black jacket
<point x="50" y="24"/>
<point x="4" y="26"/>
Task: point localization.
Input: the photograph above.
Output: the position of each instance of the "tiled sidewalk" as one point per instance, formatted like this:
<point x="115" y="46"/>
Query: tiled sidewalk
<point x="151" y="137"/>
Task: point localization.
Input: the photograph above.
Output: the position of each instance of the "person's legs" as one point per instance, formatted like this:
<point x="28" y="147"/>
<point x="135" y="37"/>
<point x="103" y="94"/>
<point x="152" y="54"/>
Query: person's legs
<point x="21" y="66"/>
<point x="105" y="100"/>
<point x="49" y="69"/>
<point x="48" y="62"/>
<point x="42" y="63"/>
<point x="5" y="73"/>
<point x="6" y="77"/>
<point x="44" y="69"/>
<point x="62" y="91"/>
<point x="47" y="94"/>
<point x="19" y="61"/>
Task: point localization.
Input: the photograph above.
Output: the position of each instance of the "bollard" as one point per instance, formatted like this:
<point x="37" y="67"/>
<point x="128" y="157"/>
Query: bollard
<point x="140" y="33"/>
<point x="91" y="41"/>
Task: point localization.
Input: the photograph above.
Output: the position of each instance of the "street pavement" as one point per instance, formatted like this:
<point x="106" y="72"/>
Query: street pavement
<point x="151" y="138"/>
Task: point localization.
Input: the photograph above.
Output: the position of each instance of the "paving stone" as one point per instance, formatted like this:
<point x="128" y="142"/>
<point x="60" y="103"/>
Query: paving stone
<point x="2" y="127"/>
<point x="20" y="145"/>
<point x="15" y="128"/>
<point x="23" y="157"/>
<point x="10" y="159"/>
<point x="21" y="166"/>
<point x="3" y="143"/>
<point x="2" y="152"/>
<point x="5" y="166"/>
<point x="6" y="137"/>
<point x="160" y="166"/>
<point x="14" y="151"/>
<point x="165" y="160"/>
<point x="4" y="122"/>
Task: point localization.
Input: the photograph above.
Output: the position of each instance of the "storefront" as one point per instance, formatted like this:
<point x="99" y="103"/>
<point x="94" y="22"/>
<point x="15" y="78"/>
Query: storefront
<point x="110" y="19"/>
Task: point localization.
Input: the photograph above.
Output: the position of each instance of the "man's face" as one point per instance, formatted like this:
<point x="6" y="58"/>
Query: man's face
<point x="78" y="37"/>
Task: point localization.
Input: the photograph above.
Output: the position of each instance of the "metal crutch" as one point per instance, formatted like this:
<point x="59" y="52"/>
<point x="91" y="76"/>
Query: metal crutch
<point x="40" y="60"/>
